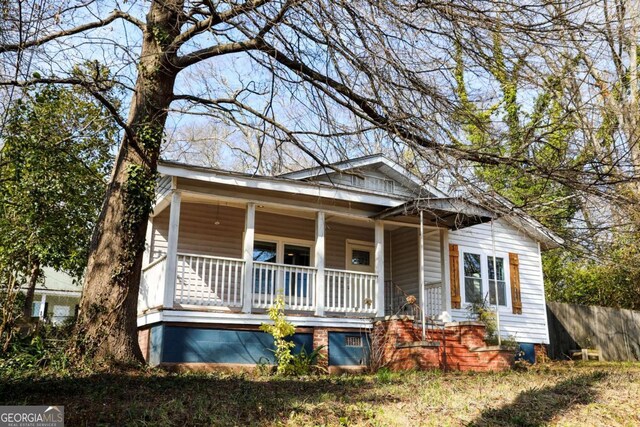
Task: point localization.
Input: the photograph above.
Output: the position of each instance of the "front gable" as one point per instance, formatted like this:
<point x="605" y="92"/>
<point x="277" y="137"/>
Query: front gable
<point x="374" y="174"/>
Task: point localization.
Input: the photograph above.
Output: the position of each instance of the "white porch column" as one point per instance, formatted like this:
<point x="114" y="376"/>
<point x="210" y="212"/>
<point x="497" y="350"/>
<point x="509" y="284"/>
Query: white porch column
<point x="172" y="251"/>
<point x="421" y="274"/>
<point x="444" y="268"/>
<point x="446" y="274"/>
<point x="247" y="254"/>
<point x="319" y="263"/>
<point x="148" y="244"/>
<point x="379" y="241"/>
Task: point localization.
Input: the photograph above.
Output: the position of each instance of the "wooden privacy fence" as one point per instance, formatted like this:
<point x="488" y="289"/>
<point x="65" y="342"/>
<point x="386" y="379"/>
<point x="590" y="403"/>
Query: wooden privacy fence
<point x="615" y="332"/>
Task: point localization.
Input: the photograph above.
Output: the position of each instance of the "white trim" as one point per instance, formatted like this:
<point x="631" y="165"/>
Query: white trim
<point x="57" y="293"/>
<point x="544" y="297"/>
<point x="484" y="255"/>
<point x="350" y="245"/>
<point x="281" y="185"/>
<point x="444" y="267"/>
<point x="186" y="316"/>
<point x="447" y="271"/>
<point x="319" y="249"/>
<point x="172" y="251"/>
<point x="294" y="208"/>
<point x="148" y="246"/>
<point x="280" y="244"/>
<point x="379" y="267"/>
<point x="421" y="281"/>
<point x="247" y="254"/>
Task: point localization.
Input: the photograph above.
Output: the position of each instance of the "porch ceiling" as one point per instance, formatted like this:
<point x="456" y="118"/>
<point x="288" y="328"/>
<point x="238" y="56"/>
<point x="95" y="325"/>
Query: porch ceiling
<point x="450" y="212"/>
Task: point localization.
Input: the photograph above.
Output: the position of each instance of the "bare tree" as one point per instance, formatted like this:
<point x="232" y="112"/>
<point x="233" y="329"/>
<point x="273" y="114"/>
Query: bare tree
<point x="326" y="77"/>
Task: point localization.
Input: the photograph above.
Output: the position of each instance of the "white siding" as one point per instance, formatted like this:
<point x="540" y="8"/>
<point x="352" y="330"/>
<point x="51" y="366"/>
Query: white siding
<point x="432" y="268"/>
<point x="530" y="326"/>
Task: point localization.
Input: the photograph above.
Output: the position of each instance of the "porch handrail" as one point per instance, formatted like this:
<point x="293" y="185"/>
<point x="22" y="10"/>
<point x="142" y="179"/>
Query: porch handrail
<point x="222" y="258"/>
<point x="154" y="263"/>
<point x="363" y="273"/>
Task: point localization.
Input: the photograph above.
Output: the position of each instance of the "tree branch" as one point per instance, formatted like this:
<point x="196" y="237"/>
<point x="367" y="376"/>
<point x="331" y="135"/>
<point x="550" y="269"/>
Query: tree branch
<point x="116" y="14"/>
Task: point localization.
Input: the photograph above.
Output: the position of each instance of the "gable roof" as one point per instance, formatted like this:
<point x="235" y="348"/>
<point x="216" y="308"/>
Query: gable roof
<point x="277" y="183"/>
<point x="387" y="166"/>
<point x="304" y="182"/>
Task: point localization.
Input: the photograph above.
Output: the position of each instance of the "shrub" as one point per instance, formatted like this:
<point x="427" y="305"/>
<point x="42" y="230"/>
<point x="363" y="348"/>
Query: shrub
<point x="280" y="330"/>
<point x="287" y="363"/>
<point x="41" y="351"/>
<point x="484" y="313"/>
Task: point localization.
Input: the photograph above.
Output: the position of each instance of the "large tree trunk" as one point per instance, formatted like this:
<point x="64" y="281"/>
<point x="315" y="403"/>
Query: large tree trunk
<point x="36" y="273"/>
<point x="106" y="329"/>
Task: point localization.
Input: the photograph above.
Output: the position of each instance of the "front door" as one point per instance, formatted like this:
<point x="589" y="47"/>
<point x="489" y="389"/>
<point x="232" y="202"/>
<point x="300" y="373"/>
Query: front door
<point x="269" y="280"/>
<point x="296" y="282"/>
<point x="264" y="280"/>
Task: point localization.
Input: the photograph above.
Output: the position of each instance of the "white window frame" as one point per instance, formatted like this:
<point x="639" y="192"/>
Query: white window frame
<point x="363" y="246"/>
<point x="282" y="241"/>
<point x="484" y="271"/>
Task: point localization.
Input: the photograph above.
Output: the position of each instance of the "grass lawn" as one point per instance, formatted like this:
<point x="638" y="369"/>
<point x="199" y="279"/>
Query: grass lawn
<point x="557" y="394"/>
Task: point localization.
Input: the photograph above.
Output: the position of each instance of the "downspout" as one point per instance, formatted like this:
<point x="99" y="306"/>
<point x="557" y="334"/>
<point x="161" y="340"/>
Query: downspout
<point x="421" y="276"/>
<point x="495" y="277"/>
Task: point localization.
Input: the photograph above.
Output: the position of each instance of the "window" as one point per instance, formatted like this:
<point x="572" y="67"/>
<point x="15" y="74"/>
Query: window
<point x="472" y="278"/>
<point x="265" y="251"/>
<point x="502" y="286"/>
<point x="360" y="256"/>
<point x="480" y="277"/>
<point x="35" y="308"/>
<point x="297" y="255"/>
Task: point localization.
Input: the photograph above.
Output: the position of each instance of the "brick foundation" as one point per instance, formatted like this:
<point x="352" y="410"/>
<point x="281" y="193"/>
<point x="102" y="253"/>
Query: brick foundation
<point x="541" y="353"/>
<point x="321" y="338"/>
<point x="398" y="345"/>
<point x="143" y="342"/>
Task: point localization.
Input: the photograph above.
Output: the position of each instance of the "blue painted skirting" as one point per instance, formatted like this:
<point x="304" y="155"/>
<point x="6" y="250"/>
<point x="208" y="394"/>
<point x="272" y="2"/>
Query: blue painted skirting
<point x="343" y="352"/>
<point x="201" y="345"/>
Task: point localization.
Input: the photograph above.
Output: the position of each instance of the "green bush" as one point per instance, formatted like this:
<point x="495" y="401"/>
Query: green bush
<point x="288" y="363"/>
<point x="280" y="330"/>
<point x="484" y="313"/>
<point x="41" y="351"/>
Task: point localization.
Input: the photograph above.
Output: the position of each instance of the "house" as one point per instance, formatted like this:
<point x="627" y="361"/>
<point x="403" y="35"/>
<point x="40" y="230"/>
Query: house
<point x="345" y="247"/>
<point x="56" y="298"/>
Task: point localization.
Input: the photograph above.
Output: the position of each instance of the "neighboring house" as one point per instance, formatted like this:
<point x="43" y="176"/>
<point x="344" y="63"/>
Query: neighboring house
<point x="342" y="244"/>
<point x="56" y="297"/>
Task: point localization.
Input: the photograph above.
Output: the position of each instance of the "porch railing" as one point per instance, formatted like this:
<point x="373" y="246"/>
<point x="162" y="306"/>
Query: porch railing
<point x="151" y="294"/>
<point x="209" y="281"/>
<point x="433" y="299"/>
<point x="218" y="282"/>
<point x="350" y="291"/>
<point x="296" y="283"/>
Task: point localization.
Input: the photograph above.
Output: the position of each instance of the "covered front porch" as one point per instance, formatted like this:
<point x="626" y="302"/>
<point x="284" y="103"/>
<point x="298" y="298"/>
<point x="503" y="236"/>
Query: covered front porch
<point x="216" y="254"/>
